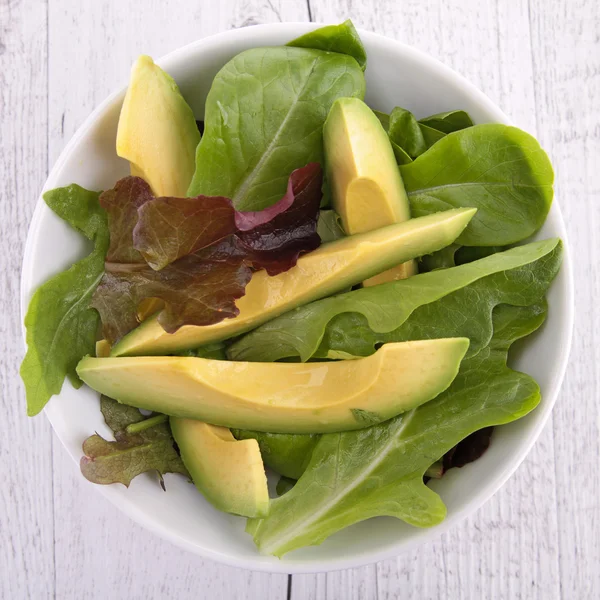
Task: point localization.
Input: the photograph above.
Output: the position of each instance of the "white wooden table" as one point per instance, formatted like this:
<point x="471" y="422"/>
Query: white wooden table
<point x="539" y="537"/>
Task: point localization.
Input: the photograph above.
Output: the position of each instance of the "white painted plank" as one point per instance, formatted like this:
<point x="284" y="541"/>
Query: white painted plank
<point x="99" y="552"/>
<point x="511" y="548"/>
<point x="508" y="549"/>
<point x="566" y="51"/>
<point x="26" y="526"/>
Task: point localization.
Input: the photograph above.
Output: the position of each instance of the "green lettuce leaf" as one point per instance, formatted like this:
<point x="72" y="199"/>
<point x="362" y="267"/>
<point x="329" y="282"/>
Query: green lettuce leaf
<point x="500" y="170"/>
<point x="342" y="38"/>
<point x="214" y="351"/>
<point x="379" y="471"/>
<point x="329" y="226"/>
<point x="264" y="118"/>
<point x="285" y="453"/>
<point x="285" y="484"/>
<point x="61" y="326"/>
<point x="356" y="322"/>
<point x="136" y="450"/>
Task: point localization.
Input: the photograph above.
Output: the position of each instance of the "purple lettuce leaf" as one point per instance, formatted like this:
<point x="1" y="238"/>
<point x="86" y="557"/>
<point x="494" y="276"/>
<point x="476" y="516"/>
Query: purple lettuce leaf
<point x="197" y="254"/>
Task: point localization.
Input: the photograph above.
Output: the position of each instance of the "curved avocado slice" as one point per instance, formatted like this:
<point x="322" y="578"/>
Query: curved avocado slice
<point x="229" y="473"/>
<point x="283" y="397"/>
<point x="325" y="271"/>
<point x="157" y="130"/>
<point x="367" y="189"/>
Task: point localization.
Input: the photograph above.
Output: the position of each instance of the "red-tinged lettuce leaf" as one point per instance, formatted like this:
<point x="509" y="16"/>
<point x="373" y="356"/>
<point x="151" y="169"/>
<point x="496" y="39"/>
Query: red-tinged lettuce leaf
<point x="199" y="289"/>
<point x="170" y="228"/>
<point x="197" y="254"/>
<point x="273" y="238"/>
<point x="469" y="449"/>
<point x="465" y="452"/>
<point x="129" y="455"/>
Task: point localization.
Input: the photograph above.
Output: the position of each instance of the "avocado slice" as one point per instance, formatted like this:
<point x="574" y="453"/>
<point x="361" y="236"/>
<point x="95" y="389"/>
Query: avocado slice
<point x="367" y="189"/>
<point x="229" y="473"/>
<point x="315" y="397"/>
<point x="157" y="131"/>
<point x="325" y="271"/>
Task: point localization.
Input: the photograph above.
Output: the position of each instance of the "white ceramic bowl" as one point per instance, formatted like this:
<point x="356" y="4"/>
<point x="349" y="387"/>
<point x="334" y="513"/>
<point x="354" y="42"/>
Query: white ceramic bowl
<point x="396" y="75"/>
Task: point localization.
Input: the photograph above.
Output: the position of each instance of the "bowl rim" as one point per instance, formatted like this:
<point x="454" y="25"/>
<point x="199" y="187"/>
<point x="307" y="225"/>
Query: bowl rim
<point x="256" y="33"/>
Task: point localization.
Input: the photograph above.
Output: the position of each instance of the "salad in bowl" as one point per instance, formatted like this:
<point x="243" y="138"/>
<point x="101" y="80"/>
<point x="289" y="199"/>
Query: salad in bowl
<point x="294" y="284"/>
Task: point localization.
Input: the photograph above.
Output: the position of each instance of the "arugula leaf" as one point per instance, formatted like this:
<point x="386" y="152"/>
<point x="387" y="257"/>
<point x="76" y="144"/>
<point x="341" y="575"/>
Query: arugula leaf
<point x="447" y="122"/>
<point x="120" y="461"/>
<point x="285" y="453"/>
<point x="199" y="288"/>
<point x="379" y="471"/>
<point x="342" y="38"/>
<point x="356" y="322"/>
<point x="500" y="170"/>
<point x="61" y="326"/>
<point x="264" y="118"/>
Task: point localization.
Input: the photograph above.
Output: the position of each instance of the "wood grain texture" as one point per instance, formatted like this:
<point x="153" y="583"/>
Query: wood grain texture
<point x="566" y="65"/>
<point x="539" y="537"/>
<point x="26" y="499"/>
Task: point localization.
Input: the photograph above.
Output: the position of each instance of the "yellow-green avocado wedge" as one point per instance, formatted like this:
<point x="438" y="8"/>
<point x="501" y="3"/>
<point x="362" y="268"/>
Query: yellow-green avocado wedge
<point x="366" y="185"/>
<point x="315" y="397"/>
<point x="325" y="271"/>
<point x="229" y="473"/>
<point x="157" y="131"/>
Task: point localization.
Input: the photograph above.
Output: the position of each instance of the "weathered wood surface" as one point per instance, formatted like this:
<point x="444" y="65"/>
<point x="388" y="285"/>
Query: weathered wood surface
<point x="539" y="537"/>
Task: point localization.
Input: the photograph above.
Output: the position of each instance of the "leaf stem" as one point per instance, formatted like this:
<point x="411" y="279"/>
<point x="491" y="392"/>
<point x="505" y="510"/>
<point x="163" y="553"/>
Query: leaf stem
<point x="146" y="424"/>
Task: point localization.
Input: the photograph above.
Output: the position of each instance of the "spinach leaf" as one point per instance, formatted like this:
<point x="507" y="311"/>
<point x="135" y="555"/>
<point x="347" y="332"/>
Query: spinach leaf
<point x="378" y="471"/>
<point x="402" y="157"/>
<point x="61" y="326"/>
<point x="264" y="118"/>
<point x="404" y="131"/>
<point x="467" y="254"/>
<point x="407" y="133"/>
<point x="447" y="122"/>
<point x="285" y="453"/>
<point x="409" y="137"/>
<point x="442" y="259"/>
<point x="500" y="170"/>
<point x="342" y="38"/>
<point x="355" y="322"/>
